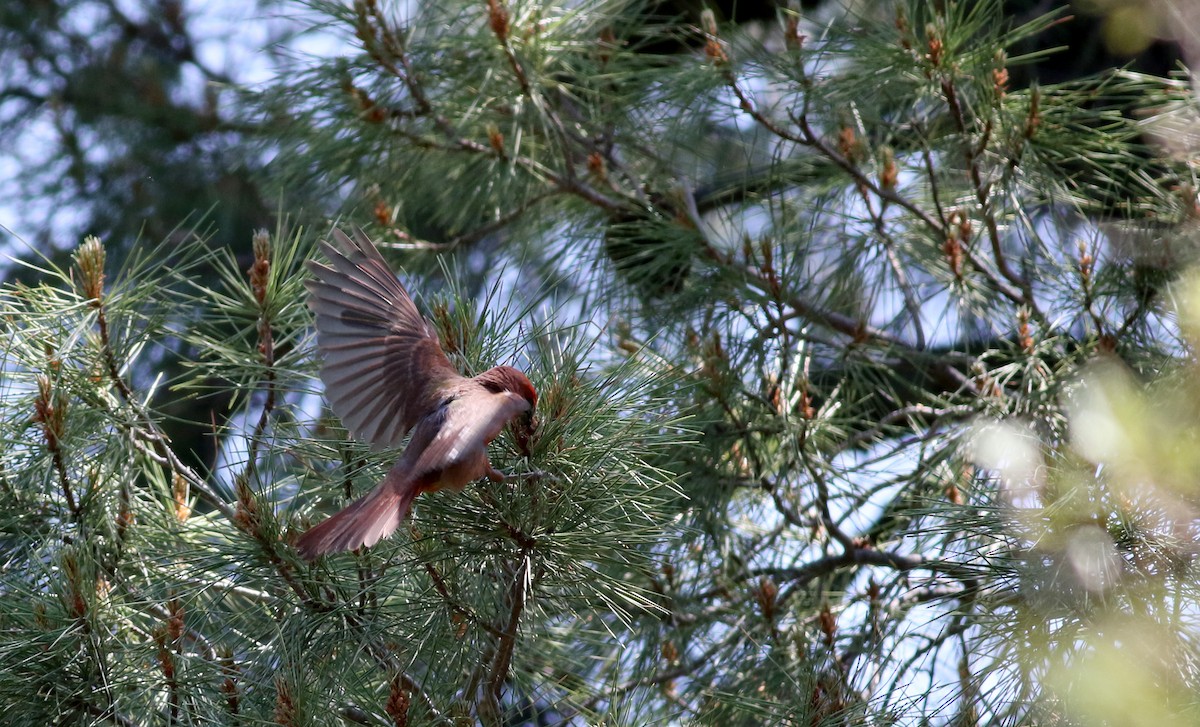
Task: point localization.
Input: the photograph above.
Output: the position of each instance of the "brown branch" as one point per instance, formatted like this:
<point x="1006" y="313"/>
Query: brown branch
<point x="801" y="308"/>
<point x="260" y="286"/>
<point x="357" y="715"/>
<point x="146" y="436"/>
<point x="518" y="595"/>
<point x="915" y="410"/>
<point x="499" y="20"/>
<point x="835" y="531"/>
<point x="149" y="440"/>
<point x="684" y="669"/>
<point x="857" y="555"/>
<point x="260" y="276"/>
<point x="370" y="34"/>
<point x="110" y="358"/>
<point x="931" y="175"/>
<point x="109" y="714"/>
<point x="899" y="562"/>
<point x="375" y="32"/>
<point x="386" y="659"/>
<point x="936" y="227"/>
<point x="788" y="513"/>
<point x="49" y="411"/>
<point x="811" y="139"/>
<point x="855" y="329"/>
<point x="983" y="196"/>
<point x="410" y="243"/>
<point x="911" y="304"/>
<point x="439" y="584"/>
<point x="563" y="183"/>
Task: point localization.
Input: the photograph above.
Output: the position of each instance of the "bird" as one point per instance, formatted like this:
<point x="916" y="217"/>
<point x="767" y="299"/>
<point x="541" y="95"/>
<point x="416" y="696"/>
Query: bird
<point x="385" y="374"/>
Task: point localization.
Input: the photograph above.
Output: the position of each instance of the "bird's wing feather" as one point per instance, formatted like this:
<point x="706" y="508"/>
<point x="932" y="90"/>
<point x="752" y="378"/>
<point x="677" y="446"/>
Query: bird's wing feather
<point x="382" y="363"/>
<point x="470" y="422"/>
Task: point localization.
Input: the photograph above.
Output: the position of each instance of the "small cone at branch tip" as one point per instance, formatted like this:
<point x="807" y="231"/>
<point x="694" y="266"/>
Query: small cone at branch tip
<point x="386" y="375"/>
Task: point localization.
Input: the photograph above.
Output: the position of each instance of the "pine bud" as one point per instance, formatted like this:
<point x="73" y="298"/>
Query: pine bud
<point x="89" y="258"/>
<point x="805" y="406"/>
<point x="166" y="659"/>
<point x="608" y="41"/>
<point x="791" y="36"/>
<point x="670" y="653"/>
<point x="77" y="605"/>
<point x="954" y="255"/>
<point x="246" y="516"/>
<point x="260" y="271"/>
<point x="1034" y="119"/>
<point x="904" y="28"/>
<point x="848" y="143"/>
<point x="889" y="173"/>
<point x="397" y="702"/>
<point x="1085" y="264"/>
<point x="935" y="48"/>
<point x="748" y="249"/>
<point x="712" y="46"/>
<point x="180" y="491"/>
<point x="124" y="514"/>
<point x="229" y="686"/>
<point x="765" y="594"/>
<point x="596" y="166"/>
<point x="175" y="619"/>
<point x="498" y="20"/>
<point x="496" y="139"/>
<point x="49" y="411"/>
<point x="1024" y="331"/>
<point x="383" y="213"/>
<point x="1000" y="74"/>
<point x="828" y="624"/>
<point x="286" y="712"/>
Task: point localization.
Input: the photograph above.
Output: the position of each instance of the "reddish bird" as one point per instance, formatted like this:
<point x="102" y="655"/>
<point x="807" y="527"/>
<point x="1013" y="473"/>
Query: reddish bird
<point x="385" y="373"/>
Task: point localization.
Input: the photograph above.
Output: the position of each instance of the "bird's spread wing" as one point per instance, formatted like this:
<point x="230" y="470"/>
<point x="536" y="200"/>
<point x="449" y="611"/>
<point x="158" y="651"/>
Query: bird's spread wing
<point x="382" y="363"/>
<point x="467" y="425"/>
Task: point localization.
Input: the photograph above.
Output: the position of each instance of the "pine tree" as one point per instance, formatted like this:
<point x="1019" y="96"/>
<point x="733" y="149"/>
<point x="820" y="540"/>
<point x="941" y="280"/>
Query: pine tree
<point x="842" y="341"/>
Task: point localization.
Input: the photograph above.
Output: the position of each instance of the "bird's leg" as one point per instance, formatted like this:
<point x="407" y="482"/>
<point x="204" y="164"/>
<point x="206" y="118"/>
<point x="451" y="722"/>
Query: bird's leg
<point x="496" y="475"/>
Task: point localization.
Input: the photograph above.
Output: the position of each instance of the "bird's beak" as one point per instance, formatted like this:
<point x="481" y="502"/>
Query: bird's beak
<point x="523" y="428"/>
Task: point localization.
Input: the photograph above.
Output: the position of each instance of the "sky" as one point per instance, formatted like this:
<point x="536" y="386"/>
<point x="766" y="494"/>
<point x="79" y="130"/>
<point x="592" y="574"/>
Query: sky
<point x="243" y="41"/>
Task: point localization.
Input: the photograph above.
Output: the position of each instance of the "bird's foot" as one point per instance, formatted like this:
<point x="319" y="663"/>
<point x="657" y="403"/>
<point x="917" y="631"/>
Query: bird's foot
<point x="496" y="475"/>
<point x="536" y="475"/>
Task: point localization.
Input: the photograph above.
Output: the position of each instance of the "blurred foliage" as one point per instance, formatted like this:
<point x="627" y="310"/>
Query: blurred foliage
<point x="1100" y="529"/>
<point x="122" y="119"/>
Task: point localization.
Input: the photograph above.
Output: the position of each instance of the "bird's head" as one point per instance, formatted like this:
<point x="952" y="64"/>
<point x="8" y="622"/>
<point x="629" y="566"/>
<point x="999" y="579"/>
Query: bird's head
<point x="506" y="378"/>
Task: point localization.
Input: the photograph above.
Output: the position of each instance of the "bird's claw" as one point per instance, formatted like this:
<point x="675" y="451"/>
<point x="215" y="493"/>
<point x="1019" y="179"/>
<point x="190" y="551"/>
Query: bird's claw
<point x="496" y="475"/>
<point x="537" y="475"/>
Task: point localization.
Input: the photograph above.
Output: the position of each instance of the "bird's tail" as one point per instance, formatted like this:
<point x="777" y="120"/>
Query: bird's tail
<point x="364" y="522"/>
